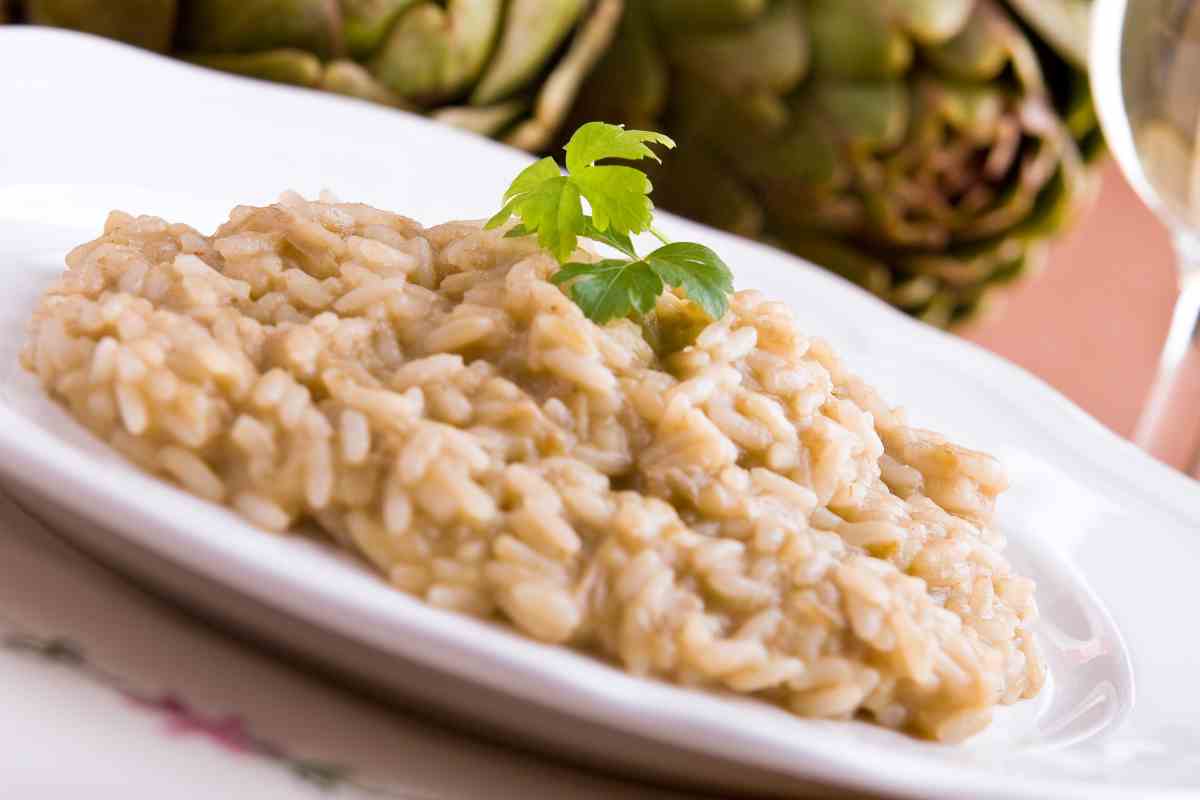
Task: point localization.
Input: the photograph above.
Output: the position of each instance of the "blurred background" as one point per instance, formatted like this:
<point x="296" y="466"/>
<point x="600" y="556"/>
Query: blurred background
<point x="943" y="154"/>
<point x="1093" y="322"/>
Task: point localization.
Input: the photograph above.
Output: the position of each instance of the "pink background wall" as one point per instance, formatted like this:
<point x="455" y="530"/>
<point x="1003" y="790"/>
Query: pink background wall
<point x="1093" y="322"/>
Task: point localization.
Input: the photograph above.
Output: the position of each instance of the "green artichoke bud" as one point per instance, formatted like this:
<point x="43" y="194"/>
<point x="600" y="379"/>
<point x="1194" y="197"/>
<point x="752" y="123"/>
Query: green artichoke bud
<point x="915" y="147"/>
<point x="144" y="23"/>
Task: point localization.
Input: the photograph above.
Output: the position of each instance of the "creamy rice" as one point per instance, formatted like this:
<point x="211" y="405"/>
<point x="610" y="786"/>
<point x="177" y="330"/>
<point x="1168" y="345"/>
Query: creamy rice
<point x="741" y="515"/>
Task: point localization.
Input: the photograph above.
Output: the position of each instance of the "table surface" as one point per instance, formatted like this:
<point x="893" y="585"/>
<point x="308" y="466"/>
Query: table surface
<point x="1093" y="323"/>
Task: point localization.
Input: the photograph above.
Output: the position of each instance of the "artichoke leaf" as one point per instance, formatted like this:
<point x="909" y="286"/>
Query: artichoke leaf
<point x="865" y="116"/>
<point x="736" y="121"/>
<point x="485" y="120"/>
<point x="856" y="40"/>
<point x="699" y="184"/>
<point x="762" y="136"/>
<point x="1082" y="121"/>
<point x="710" y="14"/>
<point x="988" y="45"/>
<point x="433" y="54"/>
<point x="252" y="26"/>
<point x="973" y="111"/>
<point x="144" y="23"/>
<point x="353" y="80"/>
<point x="561" y="86"/>
<point x="633" y="62"/>
<point x="1032" y="258"/>
<point x="285" y="65"/>
<point x="533" y="30"/>
<point x="777" y="39"/>
<point x="836" y="213"/>
<point x="933" y="21"/>
<point x="973" y="290"/>
<point x="914" y="292"/>
<point x="1063" y="23"/>
<point x="939" y="311"/>
<point x="804" y="156"/>
<point x="1041" y="189"/>
<point x="965" y="265"/>
<point x="1071" y="189"/>
<point x="367" y="23"/>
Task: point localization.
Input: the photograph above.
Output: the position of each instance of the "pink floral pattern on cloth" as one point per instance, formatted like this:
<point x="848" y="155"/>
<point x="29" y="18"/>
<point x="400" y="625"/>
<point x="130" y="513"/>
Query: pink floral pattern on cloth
<point x="229" y="731"/>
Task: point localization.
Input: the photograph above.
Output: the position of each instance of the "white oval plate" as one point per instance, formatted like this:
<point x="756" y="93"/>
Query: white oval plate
<point x="91" y="125"/>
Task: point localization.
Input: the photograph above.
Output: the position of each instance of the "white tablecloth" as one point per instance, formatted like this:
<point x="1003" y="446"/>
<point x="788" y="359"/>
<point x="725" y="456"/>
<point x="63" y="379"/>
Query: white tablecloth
<point x="106" y="691"/>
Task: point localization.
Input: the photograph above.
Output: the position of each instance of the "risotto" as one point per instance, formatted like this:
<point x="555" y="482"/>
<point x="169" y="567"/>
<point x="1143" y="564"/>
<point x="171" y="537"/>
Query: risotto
<point x="742" y="515"/>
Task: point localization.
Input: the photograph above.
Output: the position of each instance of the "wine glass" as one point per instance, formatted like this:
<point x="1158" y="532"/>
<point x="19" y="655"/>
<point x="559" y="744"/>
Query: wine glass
<point x="1145" y="72"/>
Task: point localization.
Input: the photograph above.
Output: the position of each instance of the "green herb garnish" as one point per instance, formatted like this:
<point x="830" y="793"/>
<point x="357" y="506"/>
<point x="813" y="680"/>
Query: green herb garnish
<point x="550" y="205"/>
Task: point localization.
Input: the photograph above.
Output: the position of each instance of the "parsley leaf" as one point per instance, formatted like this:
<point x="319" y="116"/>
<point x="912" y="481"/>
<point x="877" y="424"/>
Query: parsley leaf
<point x="530" y="179"/>
<point x="701" y="272"/>
<point x="612" y="288"/>
<point x="596" y="140"/>
<point x="618" y="195"/>
<point x="615" y="287"/>
<point x="617" y="241"/>
<point x="550" y="205"/>
<point x="547" y="202"/>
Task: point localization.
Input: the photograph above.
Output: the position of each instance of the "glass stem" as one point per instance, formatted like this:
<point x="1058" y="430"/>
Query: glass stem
<point x="1169" y="427"/>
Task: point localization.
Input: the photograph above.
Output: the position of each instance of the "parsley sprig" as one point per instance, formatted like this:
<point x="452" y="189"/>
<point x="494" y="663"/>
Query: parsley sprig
<point x="550" y="205"/>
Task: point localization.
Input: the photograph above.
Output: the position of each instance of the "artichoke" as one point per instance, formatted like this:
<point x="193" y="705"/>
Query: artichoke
<point x="925" y="149"/>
